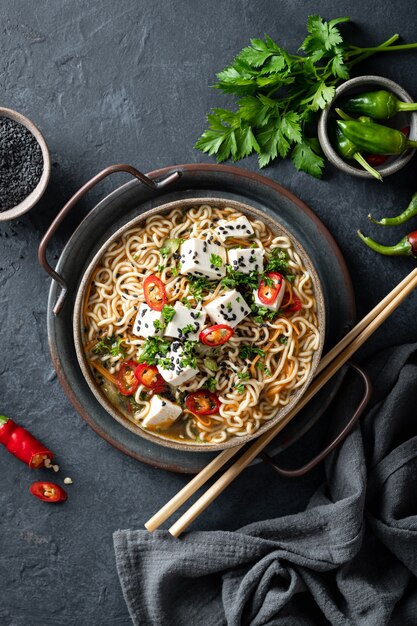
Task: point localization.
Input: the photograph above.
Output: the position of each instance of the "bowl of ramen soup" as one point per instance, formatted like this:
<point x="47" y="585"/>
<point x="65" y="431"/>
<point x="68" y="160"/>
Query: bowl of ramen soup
<point x="199" y="324"/>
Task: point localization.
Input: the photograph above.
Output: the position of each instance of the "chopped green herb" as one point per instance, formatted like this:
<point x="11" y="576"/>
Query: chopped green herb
<point x="186" y="330"/>
<point x="170" y="246"/>
<point x="247" y="351"/>
<point x="277" y="262"/>
<point x="283" y="339"/>
<point x="186" y="303"/>
<point x="229" y="306"/>
<point x="164" y="362"/>
<point x="243" y="375"/>
<point x="200" y="285"/>
<point x="189" y="358"/>
<point x="238" y="299"/>
<point x="152" y="347"/>
<point x="262" y="314"/>
<point x="160" y="268"/>
<point x="240" y="388"/>
<point x="216" y="260"/>
<point x="235" y="279"/>
<point x="168" y="313"/>
<point x="158" y="325"/>
<point x="211" y="384"/>
<point x="110" y="345"/>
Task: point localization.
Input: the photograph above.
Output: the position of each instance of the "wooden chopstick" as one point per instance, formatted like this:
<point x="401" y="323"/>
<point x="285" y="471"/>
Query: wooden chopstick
<point x="214" y="466"/>
<point x="247" y="457"/>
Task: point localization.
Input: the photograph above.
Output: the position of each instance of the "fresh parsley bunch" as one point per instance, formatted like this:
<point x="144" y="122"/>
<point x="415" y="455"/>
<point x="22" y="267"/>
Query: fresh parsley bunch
<point x="279" y="94"/>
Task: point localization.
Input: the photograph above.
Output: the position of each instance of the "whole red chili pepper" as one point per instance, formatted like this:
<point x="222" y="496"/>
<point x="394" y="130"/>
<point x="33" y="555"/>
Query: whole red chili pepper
<point x="407" y="246"/>
<point x="24" y="446"/>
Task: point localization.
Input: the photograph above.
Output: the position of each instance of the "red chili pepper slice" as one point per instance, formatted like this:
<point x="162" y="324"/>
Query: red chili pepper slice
<point x="296" y="305"/>
<point x="24" y="446"/>
<point x="126" y="381"/>
<point x="149" y="376"/>
<point x="48" y="492"/>
<point x="202" y="402"/>
<point x="154" y="292"/>
<point x="216" y="335"/>
<point x="267" y="292"/>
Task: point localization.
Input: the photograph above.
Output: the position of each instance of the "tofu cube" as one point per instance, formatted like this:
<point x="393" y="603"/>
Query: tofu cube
<point x="162" y="413"/>
<point x="196" y="258"/>
<point x="143" y="325"/>
<point x="183" y="320"/>
<point x="171" y="369"/>
<point x="230" y="308"/>
<point x="275" y="305"/>
<point x="246" y="260"/>
<point x="240" y="227"/>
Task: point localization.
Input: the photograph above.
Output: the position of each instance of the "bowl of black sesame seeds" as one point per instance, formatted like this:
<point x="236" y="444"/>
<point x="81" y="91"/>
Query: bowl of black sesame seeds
<point x="25" y="164"/>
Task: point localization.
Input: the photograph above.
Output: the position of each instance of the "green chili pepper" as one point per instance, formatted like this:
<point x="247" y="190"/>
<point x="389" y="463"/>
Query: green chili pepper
<point x="375" y="138"/>
<point x="409" y="212"/>
<point x="348" y="150"/>
<point x="380" y="105"/>
<point x="407" y="246"/>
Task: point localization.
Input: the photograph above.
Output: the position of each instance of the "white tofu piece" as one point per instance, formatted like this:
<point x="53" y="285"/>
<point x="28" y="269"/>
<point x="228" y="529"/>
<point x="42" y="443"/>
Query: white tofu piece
<point x="275" y="305"/>
<point x="196" y="258"/>
<point x="240" y="227"/>
<point x="143" y="325"/>
<point x="162" y="413"/>
<point x="246" y="260"/>
<point x="176" y="374"/>
<point x="230" y="308"/>
<point x="184" y="317"/>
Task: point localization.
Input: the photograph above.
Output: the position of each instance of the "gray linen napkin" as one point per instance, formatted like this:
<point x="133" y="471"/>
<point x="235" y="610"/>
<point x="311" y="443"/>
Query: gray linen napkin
<point x="349" y="559"/>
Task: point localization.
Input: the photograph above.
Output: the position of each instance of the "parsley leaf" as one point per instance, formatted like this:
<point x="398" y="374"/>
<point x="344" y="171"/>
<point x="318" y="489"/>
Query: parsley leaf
<point x="278" y="94"/>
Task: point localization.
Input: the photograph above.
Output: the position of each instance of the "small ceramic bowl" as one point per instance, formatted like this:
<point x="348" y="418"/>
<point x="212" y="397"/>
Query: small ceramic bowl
<point x="399" y="121"/>
<point x="37" y="193"/>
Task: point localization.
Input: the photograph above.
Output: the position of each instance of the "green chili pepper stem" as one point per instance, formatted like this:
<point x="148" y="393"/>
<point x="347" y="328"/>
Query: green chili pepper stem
<point x="403" y="217"/>
<point x="402" y="248"/>
<point x="407" y="106"/>
<point x="3" y="420"/>
<point x="343" y="115"/>
<point x="359" y="158"/>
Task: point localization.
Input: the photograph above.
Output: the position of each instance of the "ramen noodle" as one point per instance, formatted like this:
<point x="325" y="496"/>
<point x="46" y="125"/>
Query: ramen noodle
<point x="231" y="324"/>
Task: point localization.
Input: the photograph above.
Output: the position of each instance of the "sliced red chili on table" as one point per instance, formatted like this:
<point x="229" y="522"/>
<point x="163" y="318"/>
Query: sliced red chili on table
<point x="48" y="492"/>
<point x="202" y="402"/>
<point x="270" y="288"/>
<point x="24" y="446"/>
<point x="149" y="376"/>
<point x="216" y="335"/>
<point x="154" y="292"/>
<point x="126" y="381"/>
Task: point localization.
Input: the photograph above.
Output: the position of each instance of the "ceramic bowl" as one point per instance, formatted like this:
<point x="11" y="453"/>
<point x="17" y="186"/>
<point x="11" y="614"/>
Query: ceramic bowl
<point x="400" y="120"/>
<point x="36" y="194"/>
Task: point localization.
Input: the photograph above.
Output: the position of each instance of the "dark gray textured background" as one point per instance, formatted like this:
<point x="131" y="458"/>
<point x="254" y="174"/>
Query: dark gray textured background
<point x="129" y="81"/>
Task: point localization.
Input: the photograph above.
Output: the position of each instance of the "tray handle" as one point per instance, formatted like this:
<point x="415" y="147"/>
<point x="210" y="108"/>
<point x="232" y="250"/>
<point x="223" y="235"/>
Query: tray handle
<point x="337" y="440"/>
<point x="120" y="167"/>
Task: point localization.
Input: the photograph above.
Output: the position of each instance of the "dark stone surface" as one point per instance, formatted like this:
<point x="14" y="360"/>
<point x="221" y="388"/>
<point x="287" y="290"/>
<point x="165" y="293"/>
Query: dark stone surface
<point x="129" y="81"/>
